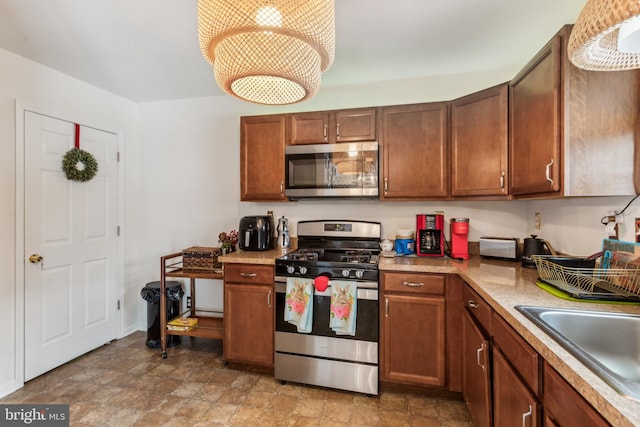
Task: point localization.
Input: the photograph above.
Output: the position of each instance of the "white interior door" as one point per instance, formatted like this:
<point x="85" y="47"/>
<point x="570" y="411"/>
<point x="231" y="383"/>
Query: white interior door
<point x="70" y="296"/>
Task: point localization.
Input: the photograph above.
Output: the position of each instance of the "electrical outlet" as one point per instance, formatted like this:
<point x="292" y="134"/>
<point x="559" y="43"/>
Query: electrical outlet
<point x="612" y="225"/>
<point x="538" y="221"/>
<point x="188" y="302"/>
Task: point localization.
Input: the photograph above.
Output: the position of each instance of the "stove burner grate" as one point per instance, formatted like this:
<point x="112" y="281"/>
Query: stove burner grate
<point x="362" y="256"/>
<point x="305" y="255"/>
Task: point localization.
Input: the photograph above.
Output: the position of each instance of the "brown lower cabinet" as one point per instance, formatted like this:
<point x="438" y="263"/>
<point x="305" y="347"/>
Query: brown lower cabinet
<point x="514" y="405"/>
<point x="249" y="314"/>
<point x="507" y="383"/>
<point x="413" y="329"/>
<point x="563" y="406"/>
<point x="420" y="330"/>
<point x="476" y="372"/>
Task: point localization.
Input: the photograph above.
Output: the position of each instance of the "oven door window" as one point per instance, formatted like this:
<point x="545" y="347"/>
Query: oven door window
<point x="366" y="318"/>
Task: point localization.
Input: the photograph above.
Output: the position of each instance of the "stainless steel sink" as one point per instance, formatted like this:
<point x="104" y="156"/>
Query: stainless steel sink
<point x="607" y="343"/>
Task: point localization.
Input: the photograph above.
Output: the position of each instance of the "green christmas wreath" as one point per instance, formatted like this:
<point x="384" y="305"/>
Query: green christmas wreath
<point x="79" y="165"/>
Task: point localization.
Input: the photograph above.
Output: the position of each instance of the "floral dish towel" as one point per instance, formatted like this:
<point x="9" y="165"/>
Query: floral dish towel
<point x="298" y="309"/>
<point x="343" y="307"/>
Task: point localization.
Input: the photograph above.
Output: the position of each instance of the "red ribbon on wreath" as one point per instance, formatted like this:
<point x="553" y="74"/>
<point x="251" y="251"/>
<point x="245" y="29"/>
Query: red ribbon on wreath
<point x="77" y="145"/>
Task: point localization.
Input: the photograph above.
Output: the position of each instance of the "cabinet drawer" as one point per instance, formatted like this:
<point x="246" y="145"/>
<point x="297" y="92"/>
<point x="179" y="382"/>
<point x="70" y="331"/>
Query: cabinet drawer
<point x="248" y="273"/>
<point x="478" y="307"/>
<point x="413" y="283"/>
<point x="518" y="352"/>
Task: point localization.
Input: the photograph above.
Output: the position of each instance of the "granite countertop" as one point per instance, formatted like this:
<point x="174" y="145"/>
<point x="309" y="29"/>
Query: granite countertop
<point x="254" y="257"/>
<point x="505" y="284"/>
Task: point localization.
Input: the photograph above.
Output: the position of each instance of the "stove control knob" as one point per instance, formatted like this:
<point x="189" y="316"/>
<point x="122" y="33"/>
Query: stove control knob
<point x="359" y="274"/>
<point x="290" y="269"/>
<point x="345" y="273"/>
<point x="303" y="269"/>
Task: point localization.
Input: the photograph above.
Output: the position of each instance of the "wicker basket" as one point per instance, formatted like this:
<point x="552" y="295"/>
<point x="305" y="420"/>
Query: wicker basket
<point x="200" y="259"/>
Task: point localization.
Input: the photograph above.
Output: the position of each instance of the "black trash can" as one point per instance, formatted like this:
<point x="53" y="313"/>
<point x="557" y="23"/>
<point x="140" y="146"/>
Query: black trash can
<point x="151" y="294"/>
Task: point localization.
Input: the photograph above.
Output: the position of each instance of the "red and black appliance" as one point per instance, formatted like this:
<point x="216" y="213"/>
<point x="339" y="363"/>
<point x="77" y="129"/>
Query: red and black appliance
<point x="430" y="234"/>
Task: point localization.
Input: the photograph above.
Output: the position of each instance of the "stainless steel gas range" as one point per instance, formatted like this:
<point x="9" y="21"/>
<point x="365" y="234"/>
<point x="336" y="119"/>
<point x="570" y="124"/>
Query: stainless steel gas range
<point x="346" y="253"/>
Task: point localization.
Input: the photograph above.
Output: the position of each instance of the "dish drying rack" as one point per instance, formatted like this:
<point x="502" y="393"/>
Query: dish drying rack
<point x="610" y="277"/>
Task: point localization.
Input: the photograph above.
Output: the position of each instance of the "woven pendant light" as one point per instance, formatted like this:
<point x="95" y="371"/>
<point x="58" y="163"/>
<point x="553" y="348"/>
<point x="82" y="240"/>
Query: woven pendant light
<point x="593" y="44"/>
<point x="268" y="51"/>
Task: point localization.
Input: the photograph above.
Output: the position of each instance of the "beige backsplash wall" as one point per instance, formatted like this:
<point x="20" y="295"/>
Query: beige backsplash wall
<point x="573" y="225"/>
<point x="570" y="225"/>
<point x="486" y="218"/>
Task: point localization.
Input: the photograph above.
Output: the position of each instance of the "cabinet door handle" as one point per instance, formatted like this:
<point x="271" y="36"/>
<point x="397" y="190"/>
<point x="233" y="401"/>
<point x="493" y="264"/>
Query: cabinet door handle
<point x="480" y="350"/>
<point x="472" y="304"/>
<point x="324" y="132"/>
<point x="413" y="284"/>
<point x="386" y="307"/>
<point x="547" y="173"/>
<point x="526" y="415"/>
<point x="281" y="187"/>
<point x="248" y="274"/>
<point x="338" y="131"/>
<point x="269" y="298"/>
<point x="502" y="181"/>
<point x="386" y="184"/>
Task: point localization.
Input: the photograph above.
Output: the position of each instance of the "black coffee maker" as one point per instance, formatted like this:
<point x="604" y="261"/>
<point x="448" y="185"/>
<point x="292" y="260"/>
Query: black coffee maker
<point x="255" y="233"/>
<point x="534" y="246"/>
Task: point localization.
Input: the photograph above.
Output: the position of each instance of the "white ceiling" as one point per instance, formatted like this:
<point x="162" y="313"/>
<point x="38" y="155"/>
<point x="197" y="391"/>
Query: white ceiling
<point x="147" y="50"/>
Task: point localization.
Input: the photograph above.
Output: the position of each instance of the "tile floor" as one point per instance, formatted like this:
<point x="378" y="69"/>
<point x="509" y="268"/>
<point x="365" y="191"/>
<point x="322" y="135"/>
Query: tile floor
<point x="127" y="384"/>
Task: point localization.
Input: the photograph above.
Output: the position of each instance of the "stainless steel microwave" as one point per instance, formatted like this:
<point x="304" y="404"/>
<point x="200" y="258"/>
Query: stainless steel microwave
<point x="332" y="170"/>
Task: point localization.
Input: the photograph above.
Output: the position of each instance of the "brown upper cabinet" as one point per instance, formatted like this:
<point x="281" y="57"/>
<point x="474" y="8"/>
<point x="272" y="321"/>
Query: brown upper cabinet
<point x="262" y="142"/>
<point x="535" y="124"/>
<point x="415" y="151"/>
<point x="571" y="131"/>
<point x="559" y="132"/>
<point x="331" y="127"/>
<point x="479" y="143"/>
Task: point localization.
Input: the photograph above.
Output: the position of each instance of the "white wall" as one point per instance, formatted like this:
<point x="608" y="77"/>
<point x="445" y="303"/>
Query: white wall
<point x="63" y="97"/>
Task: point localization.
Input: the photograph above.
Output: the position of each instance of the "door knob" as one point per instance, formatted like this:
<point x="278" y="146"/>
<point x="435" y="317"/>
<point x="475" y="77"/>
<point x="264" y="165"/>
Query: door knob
<point x="35" y="258"/>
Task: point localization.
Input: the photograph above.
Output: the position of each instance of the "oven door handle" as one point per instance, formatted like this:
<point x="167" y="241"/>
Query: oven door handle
<point x="365" y="290"/>
<point x="361" y="284"/>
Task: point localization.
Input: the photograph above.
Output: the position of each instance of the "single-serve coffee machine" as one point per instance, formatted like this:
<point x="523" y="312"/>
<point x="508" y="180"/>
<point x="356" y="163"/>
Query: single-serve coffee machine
<point x="459" y="230"/>
<point x="430" y="234"/>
